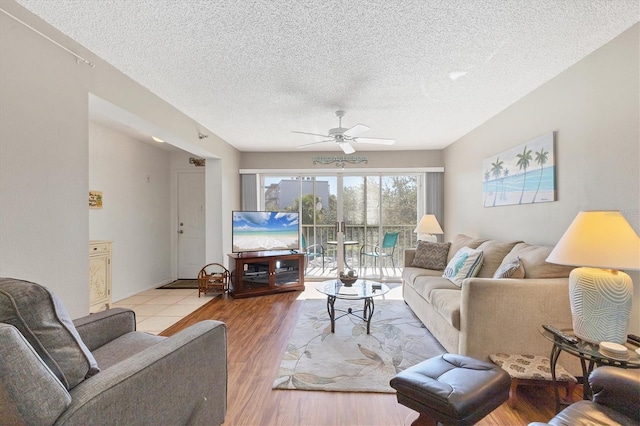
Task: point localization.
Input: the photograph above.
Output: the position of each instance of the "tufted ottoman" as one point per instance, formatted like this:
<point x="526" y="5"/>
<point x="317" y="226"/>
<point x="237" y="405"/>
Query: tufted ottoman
<point x="452" y="389"/>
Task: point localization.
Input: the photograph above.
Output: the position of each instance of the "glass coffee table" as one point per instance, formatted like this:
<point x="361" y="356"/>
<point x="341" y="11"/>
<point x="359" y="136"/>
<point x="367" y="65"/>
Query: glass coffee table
<point x="360" y="290"/>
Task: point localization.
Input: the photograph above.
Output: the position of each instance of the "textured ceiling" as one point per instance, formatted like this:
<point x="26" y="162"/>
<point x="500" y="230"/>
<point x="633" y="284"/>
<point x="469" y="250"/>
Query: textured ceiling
<point x="254" y="70"/>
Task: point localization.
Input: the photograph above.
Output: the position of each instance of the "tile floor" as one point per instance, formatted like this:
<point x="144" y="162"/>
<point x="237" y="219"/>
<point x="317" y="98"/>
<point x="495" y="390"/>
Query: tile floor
<point x="156" y="309"/>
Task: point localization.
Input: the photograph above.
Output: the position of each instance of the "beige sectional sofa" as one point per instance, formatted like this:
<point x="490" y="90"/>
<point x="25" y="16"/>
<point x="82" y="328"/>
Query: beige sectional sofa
<point x="487" y="315"/>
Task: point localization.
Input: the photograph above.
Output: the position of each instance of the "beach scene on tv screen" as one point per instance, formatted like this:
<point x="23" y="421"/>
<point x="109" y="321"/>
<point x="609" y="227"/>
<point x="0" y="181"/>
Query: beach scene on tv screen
<point x="264" y="231"/>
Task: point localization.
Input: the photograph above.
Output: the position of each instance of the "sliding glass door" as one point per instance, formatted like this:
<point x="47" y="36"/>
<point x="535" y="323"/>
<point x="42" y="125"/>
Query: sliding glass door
<point x="348" y="215"/>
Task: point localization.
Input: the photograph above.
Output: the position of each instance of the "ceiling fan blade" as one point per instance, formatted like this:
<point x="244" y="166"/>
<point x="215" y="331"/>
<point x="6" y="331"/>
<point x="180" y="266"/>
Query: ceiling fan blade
<point x="346" y="147"/>
<point x="356" y="130"/>
<point x="313" y="134"/>
<point x="377" y="141"/>
<point x="314" y="143"/>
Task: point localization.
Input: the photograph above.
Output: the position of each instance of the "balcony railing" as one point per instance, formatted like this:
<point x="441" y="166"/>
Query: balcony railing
<point x="370" y="235"/>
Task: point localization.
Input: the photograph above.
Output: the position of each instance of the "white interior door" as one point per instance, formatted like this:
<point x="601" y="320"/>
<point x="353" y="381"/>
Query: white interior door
<point x="191" y="224"/>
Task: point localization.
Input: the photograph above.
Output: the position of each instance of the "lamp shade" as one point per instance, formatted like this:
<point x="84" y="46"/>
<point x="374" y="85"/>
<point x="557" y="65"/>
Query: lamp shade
<point x="598" y="239"/>
<point x="428" y="225"/>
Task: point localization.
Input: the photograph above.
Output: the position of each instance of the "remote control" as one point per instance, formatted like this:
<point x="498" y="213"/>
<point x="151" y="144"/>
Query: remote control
<point x="564" y="336"/>
<point x="635" y="339"/>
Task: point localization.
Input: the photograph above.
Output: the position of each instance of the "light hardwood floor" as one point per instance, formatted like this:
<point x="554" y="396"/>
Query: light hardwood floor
<point x="258" y="332"/>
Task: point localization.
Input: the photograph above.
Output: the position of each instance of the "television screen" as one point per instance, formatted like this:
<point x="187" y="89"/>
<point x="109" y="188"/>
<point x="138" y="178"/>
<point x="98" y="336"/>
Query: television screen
<point x="265" y="231"/>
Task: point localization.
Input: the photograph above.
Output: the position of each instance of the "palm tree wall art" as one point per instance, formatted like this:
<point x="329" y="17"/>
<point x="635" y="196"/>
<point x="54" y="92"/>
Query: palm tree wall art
<point x="524" y="174"/>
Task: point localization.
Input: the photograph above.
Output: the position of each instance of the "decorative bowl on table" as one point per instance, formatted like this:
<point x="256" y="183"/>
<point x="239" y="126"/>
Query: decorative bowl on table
<point x="348" y="280"/>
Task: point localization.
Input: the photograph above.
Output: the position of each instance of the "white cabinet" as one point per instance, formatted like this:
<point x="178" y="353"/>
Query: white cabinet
<point x="99" y="275"/>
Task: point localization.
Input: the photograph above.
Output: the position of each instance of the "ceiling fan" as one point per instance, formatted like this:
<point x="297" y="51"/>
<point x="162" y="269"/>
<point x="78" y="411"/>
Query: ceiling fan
<point x="343" y="137"/>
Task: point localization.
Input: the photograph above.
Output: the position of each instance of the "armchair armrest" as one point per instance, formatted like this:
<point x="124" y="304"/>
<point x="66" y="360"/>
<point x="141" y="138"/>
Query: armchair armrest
<point x="618" y="389"/>
<point x="180" y="380"/>
<point x="100" y="328"/>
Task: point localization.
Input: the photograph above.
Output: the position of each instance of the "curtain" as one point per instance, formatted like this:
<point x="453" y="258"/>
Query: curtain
<point x="434" y="197"/>
<point x="249" y="188"/>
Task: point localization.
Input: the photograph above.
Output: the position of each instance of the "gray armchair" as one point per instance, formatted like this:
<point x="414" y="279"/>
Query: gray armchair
<point x="136" y="378"/>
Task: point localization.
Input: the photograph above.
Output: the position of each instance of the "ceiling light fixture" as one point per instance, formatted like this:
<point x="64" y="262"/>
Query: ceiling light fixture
<point x="157" y="139"/>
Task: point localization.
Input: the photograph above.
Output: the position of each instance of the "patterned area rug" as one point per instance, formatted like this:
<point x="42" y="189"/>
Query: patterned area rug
<point x="350" y="360"/>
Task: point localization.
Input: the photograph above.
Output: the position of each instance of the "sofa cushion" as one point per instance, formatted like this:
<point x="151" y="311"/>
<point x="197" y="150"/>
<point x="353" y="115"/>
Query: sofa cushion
<point x="447" y="303"/>
<point x="424" y="286"/>
<point x="431" y="255"/>
<point x="460" y="241"/>
<point x="510" y="269"/>
<point x="533" y="259"/>
<point x="29" y="392"/>
<point x="493" y="252"/>
<point x="409" y="274"/>
<point x="465" y="264"/>
<point x="42" y="319"/>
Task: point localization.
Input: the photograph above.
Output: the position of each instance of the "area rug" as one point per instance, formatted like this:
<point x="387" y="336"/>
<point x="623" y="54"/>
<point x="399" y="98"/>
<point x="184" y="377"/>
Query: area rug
<point x="349" y="360"/>
<point x="180" y="284"/>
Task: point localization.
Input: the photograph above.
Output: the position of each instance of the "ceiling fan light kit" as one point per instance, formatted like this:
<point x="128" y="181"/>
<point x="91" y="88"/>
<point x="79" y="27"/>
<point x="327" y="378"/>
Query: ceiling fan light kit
<point x="343" y="137"/>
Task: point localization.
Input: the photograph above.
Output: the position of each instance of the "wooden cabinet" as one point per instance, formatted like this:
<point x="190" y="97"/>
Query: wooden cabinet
<point x="99" y="275"/>
<point x="259" y="274"/>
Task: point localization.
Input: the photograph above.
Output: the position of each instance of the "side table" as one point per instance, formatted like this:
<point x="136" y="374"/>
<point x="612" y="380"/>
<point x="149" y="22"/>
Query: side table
<point x="590" y="357"/>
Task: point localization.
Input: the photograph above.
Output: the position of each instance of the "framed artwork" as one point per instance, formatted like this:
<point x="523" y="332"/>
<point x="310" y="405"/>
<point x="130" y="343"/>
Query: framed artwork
<point x="524" y="174"/>
<point x="95" y="199"/>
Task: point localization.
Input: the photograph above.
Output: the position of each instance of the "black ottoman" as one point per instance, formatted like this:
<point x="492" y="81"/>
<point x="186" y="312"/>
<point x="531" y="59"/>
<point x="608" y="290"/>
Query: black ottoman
<point x="452" y="389"/>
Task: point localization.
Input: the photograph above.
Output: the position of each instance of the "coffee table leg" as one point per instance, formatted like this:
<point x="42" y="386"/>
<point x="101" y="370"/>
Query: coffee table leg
<point x="368" y="311"/>
<point x="332" y="312"/>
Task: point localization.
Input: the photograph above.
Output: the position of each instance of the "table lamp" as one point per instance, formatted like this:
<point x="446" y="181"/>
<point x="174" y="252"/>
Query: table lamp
<point x="427" y="228"/>
<point x="601" y="242"/>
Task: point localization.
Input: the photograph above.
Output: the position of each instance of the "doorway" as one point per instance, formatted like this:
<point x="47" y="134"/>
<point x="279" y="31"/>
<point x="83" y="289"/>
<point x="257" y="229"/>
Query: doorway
<point x="191" y="223"/>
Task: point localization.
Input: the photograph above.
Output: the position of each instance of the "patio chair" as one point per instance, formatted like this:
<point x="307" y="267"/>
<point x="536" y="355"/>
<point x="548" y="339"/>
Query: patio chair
<point x="312" y="252"/>
<point x="385" y="250"/>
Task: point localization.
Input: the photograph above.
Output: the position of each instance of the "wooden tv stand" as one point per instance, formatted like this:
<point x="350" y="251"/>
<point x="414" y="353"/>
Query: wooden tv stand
<point x="257" y="274"/>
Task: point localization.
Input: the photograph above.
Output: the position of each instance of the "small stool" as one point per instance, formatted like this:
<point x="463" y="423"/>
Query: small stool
<point x="451" y="389"/>
<point x="532" y="370"/>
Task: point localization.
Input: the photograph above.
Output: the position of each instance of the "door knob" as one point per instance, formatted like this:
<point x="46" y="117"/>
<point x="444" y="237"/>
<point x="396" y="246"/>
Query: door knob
<point x="181" y="232"/>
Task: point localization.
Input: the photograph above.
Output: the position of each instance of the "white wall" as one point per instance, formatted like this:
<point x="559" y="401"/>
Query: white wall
<point x="134" y="178"/>
<point x="44" y="155"/>
<point x="594" y="108"/>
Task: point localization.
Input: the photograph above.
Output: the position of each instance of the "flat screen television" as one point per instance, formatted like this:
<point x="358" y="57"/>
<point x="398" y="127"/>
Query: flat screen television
<point x="255" y="231"/>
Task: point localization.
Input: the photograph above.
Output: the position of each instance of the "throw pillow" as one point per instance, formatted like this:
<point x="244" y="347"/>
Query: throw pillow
<point x="431" y="255"/>
<point x="465" y="264"/>
<point x="510" y="269"/>
<point x="42" y="319"/>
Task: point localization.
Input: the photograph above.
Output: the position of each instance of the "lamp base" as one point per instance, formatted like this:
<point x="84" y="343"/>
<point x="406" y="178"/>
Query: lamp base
<point x="428" y="237"/>
<point x="600" y="304"/>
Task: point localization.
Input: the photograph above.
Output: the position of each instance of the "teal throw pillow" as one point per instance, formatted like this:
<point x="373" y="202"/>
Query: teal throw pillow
<point x="465" y="263"/>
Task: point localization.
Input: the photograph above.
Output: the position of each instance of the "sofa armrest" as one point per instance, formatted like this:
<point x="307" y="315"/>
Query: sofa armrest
<point x="618" y="389"/>
<point x="98" y="329"/>
<point x="409" y="255"/>
<point x="180" y="380"/>
<point x="505" y="315"/>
